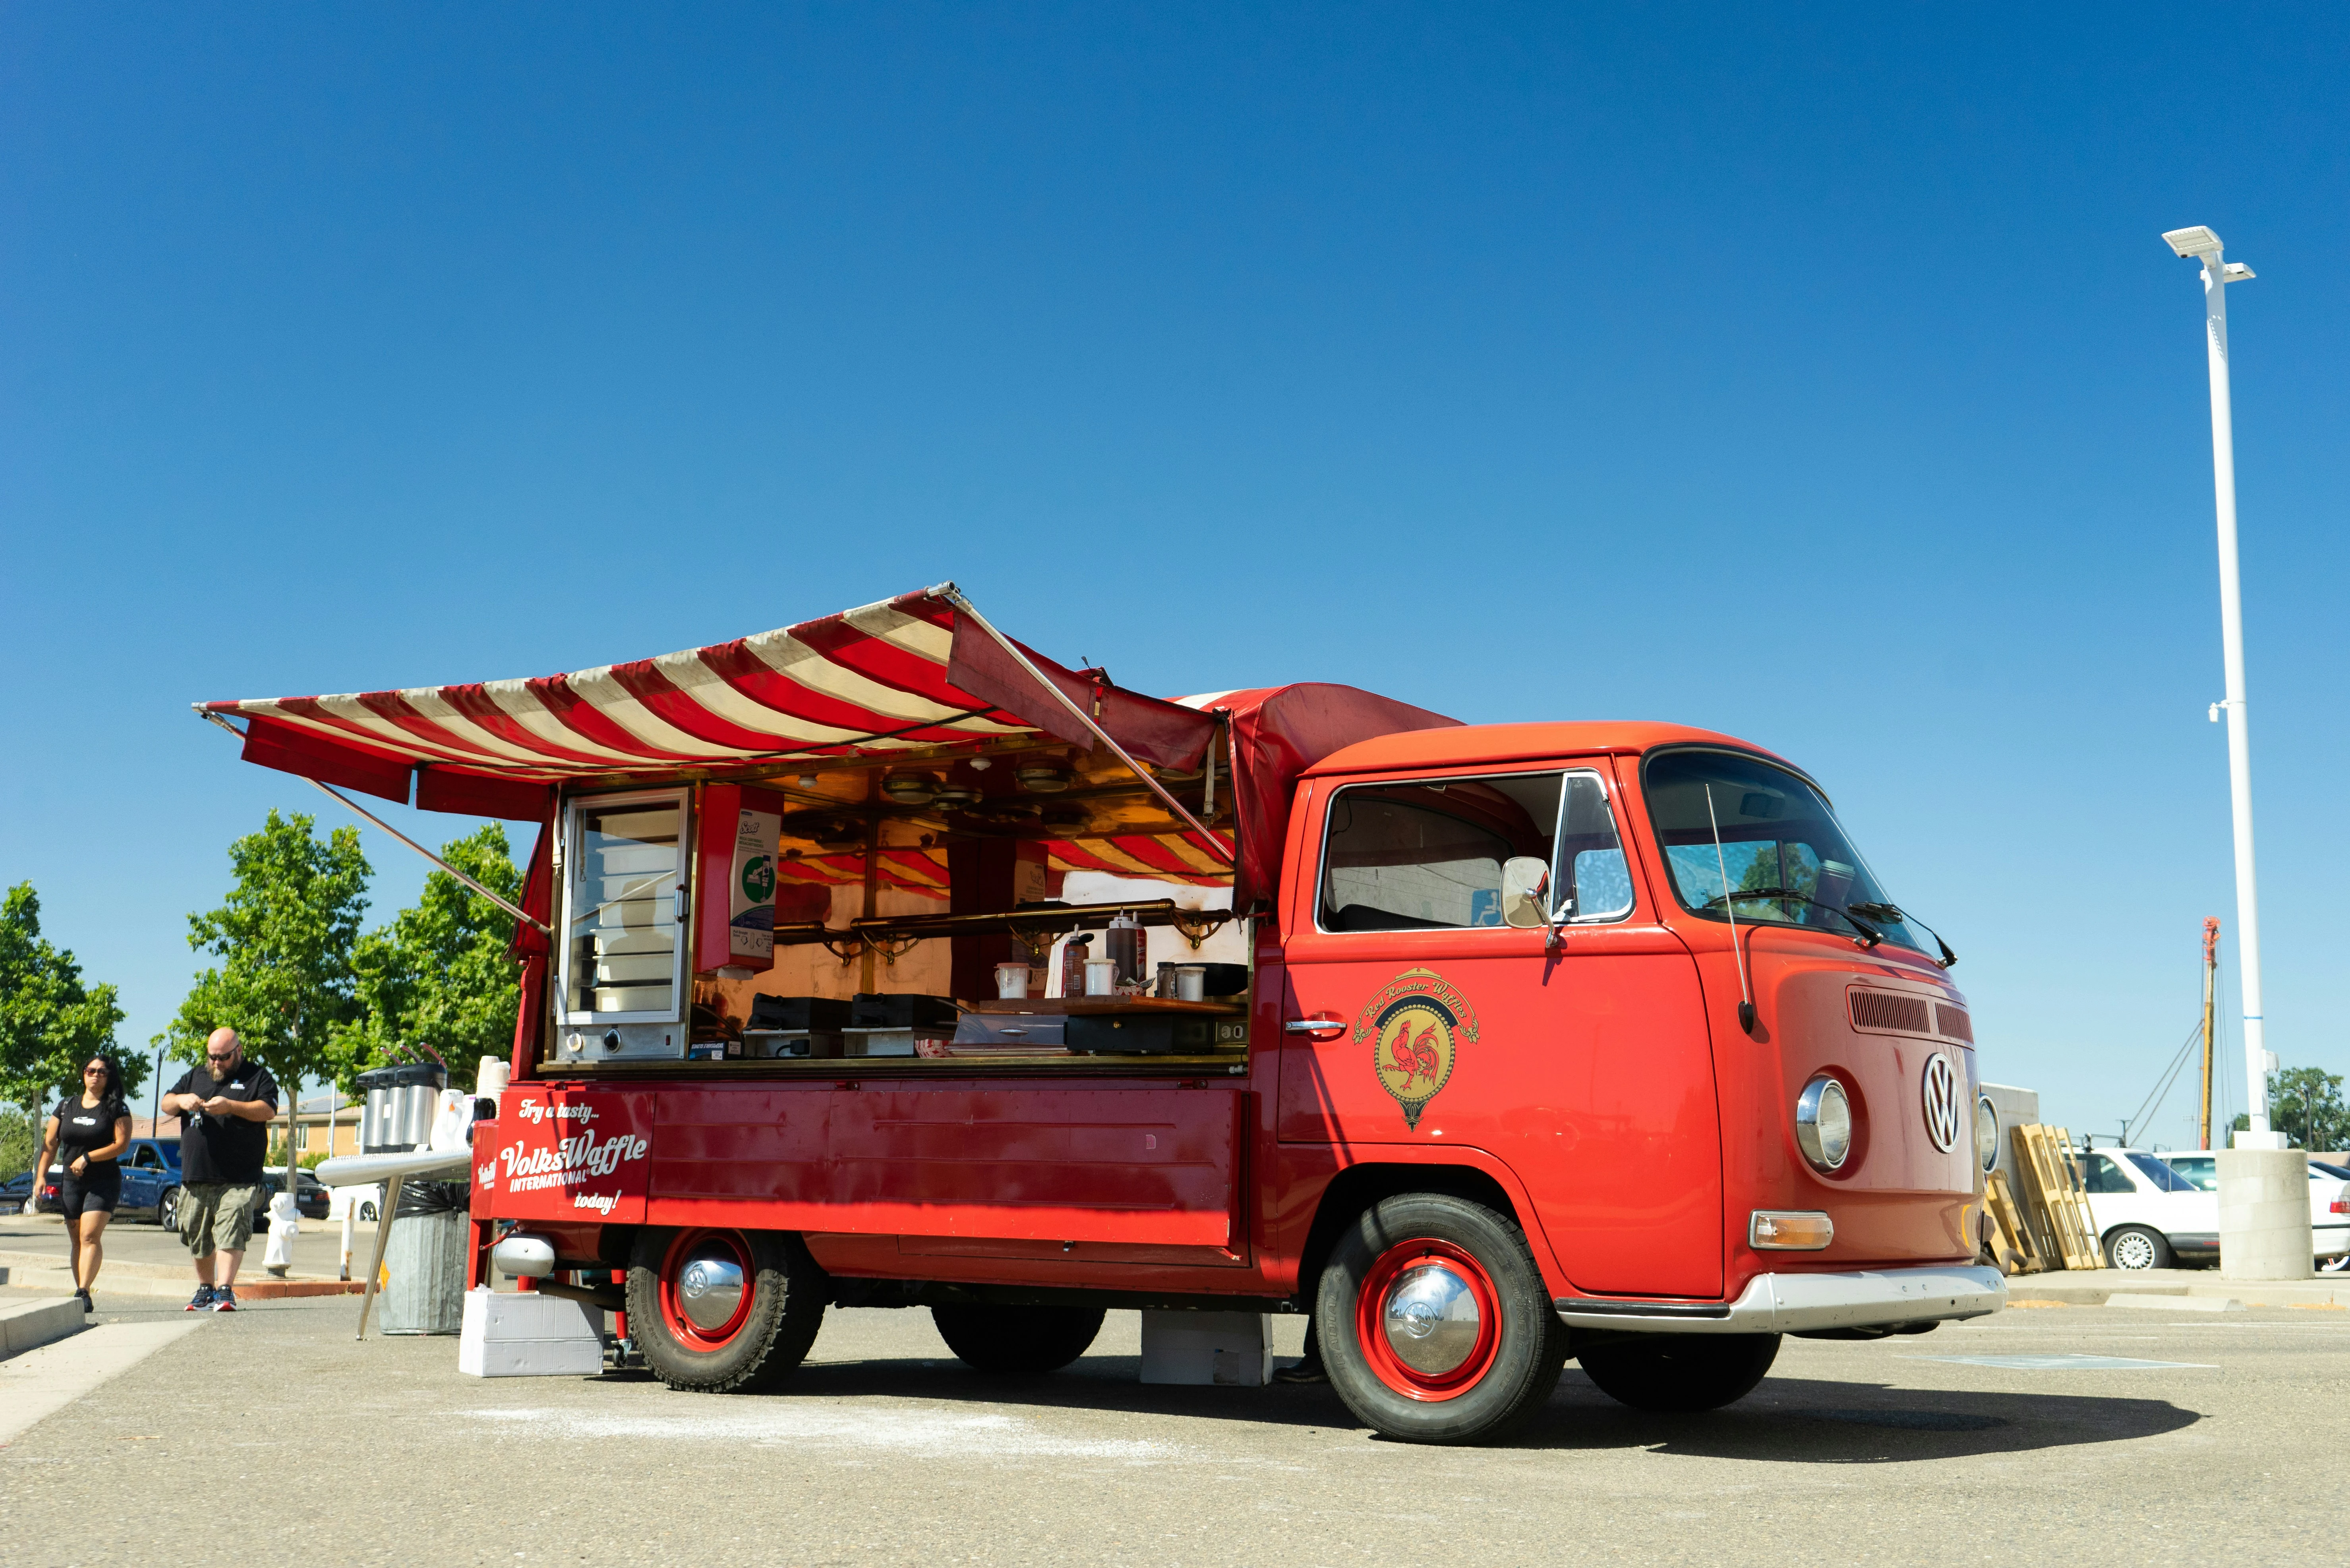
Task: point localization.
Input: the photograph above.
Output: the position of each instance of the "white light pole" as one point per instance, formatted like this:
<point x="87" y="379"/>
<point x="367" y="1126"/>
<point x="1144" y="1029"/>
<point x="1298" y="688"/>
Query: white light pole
<point x="2200" y="243"/>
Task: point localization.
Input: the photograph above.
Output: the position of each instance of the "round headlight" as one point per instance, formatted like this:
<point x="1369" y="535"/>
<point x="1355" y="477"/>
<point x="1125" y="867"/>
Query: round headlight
<point x="1824" y="1123"/>
<point x="1986" y="1134"/>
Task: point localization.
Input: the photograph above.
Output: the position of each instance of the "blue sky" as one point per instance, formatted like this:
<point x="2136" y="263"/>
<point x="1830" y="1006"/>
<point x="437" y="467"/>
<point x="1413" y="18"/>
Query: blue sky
<point x="1816" y="376"/>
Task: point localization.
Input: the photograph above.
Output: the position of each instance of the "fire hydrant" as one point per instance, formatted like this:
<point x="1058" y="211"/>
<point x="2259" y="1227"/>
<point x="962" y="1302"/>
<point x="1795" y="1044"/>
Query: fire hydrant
<point x="285" y="1225"/>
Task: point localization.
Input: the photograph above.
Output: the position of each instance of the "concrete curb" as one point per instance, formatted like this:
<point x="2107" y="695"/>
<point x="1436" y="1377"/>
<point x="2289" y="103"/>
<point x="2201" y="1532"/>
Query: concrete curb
<point x="23" y="1324"/>
<point x="180" y="1285"/>
<point x="2174" y="1304"/>
<point x="2092" y="1287"/>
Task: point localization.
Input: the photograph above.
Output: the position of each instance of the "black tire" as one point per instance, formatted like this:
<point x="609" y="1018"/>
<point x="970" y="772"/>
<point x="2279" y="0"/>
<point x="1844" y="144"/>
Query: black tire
<point x="2138" y="1247"/>
<point x="785" y="1293"/>
<point x="167" y="1209"/>
<point x="367" y="1214"/>
<point x="1681" y="1372"/>
<point x="1502" y="1381"/>
<point x="1017" y="1341"/>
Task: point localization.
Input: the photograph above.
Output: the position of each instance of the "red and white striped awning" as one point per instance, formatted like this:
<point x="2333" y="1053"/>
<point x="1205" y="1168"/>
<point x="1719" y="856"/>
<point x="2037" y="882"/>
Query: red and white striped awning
<point x="918" y="670"/>
<point x="874" y="679"/>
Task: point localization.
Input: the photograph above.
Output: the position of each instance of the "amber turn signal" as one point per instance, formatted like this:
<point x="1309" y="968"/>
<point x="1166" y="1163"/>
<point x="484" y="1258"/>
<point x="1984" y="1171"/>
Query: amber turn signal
<point x="1786" y="1230"/>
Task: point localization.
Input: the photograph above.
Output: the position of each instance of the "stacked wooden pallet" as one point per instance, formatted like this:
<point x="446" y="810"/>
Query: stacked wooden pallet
<point x="2007" y="1238"/>
<point x="2055" y="1215"/>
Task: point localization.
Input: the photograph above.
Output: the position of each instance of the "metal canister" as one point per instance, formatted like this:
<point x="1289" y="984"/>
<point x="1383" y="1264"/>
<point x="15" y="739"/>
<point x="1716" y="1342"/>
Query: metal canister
<point x="397" y="1114"/>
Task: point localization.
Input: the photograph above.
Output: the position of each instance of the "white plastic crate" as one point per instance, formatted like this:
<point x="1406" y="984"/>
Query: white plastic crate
<point x="1227" y="1349"/>
<point x="524" y="1334"/>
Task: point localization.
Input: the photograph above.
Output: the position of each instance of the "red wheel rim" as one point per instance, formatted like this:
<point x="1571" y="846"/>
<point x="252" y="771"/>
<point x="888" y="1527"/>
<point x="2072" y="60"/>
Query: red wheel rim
<point x="1399" y="1278"/>
<point x="679" y="1302"/>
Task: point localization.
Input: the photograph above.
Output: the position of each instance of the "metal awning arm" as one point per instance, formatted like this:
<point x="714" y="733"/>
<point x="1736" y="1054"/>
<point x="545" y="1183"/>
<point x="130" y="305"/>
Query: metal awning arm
<point x="527" y="920"/>
<point x="954" y="595"/>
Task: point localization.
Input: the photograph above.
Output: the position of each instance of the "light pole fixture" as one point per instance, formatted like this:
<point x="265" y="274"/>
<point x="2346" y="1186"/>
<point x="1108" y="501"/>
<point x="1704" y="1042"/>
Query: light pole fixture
<point x="2200" y="245"/>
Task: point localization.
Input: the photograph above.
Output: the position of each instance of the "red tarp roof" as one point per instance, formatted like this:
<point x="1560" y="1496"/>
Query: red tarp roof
<point x="913" y="671"/>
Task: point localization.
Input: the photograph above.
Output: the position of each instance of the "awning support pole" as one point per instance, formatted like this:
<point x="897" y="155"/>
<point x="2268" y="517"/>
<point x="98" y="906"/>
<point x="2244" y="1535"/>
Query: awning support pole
<point x="356" y="806"/>
<point x="954" y="595"/>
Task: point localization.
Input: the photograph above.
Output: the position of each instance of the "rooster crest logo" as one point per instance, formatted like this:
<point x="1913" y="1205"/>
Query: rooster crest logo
<point x="1414" y="1025"/>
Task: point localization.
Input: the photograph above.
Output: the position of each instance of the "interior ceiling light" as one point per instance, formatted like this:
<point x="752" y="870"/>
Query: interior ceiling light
<point x="1045" y="778"/>
<point x="954" y="796"/>
<point x="910" y="788"/>
<point x="825" y="831"/>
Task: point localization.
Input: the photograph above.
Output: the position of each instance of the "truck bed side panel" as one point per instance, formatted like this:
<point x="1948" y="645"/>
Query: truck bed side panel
<point x="1150" y="1165"/>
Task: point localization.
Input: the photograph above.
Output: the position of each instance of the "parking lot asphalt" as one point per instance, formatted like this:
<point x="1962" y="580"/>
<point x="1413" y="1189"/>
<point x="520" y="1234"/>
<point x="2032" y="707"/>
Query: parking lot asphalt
<point x="2179" y="1438"/>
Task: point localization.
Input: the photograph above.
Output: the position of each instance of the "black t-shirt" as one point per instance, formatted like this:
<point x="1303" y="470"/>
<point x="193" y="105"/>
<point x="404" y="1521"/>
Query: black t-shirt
<point x="81" y="1128"/>
<point x="225" y="1148"/>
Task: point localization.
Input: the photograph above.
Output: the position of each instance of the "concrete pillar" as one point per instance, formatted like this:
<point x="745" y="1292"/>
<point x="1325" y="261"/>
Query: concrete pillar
<point x="2265" y="1214"/>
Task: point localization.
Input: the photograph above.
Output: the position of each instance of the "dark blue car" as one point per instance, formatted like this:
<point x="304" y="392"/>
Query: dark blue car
<point x="16" y="1193"/>
<point x="150" y="1183"/>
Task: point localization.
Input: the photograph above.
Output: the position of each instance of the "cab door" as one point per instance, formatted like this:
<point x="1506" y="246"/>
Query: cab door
<point x="1417" y="1018"/>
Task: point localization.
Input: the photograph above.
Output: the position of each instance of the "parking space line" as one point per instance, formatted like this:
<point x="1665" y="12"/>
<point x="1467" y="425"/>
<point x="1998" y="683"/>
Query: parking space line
<point x="2065" y="1362"/>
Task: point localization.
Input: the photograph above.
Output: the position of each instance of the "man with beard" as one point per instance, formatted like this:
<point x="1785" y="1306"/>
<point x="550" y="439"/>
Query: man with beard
<point x="228" y="1103"/>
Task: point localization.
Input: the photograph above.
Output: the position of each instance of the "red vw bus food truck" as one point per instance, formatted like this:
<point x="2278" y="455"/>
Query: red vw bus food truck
<point x="883" y="962"/>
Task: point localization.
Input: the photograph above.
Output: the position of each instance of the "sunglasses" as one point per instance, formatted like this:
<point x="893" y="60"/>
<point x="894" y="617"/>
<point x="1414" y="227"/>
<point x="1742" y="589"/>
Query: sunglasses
<point x="86" y="1072"/>
<point x="210" y="1057"/>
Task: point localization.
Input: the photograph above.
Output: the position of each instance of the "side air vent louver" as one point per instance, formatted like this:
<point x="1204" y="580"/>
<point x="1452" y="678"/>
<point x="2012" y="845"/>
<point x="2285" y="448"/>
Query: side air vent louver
<point x="1887" y="1011"/>
<point x="1954" y="1024"/>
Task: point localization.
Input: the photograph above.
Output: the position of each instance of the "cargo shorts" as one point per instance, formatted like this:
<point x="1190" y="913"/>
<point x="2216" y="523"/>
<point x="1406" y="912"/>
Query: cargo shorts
<point x="216" y="1217"/>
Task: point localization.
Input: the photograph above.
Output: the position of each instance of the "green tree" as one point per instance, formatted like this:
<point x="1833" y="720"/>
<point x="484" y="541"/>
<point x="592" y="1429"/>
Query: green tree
<point x="284" y="938"/>
<point x="2305" y="1104"/>
<point x="437" y="982"/>
<point x="50" y="1022"/>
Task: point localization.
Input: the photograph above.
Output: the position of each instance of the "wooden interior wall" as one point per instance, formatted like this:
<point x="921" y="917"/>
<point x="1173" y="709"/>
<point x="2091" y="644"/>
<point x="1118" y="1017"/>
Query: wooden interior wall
<point x="985" y="876"/>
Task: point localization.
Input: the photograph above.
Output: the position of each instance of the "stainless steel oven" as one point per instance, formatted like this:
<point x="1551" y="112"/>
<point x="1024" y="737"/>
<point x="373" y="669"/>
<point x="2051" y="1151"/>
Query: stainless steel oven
<point x="621" y="967"/>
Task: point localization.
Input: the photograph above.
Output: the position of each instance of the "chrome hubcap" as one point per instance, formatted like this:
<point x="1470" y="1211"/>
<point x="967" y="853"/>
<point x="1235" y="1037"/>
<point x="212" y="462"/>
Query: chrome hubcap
<point x="710" y="1291"/>
<point x="1431" y="1321"/>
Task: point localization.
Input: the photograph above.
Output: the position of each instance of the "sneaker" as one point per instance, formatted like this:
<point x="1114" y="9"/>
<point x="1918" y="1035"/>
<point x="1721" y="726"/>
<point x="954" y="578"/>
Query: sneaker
<point x="203" y="1300"/>
<point x="1307" y="1371"/>
<point x="224" y="1299"/>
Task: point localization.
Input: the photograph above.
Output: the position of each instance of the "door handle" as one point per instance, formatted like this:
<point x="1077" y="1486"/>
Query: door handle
<point x="1312" y="1025"/>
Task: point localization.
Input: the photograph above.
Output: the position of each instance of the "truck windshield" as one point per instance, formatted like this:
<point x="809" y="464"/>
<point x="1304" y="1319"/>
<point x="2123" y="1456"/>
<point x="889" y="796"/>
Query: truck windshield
<point x="1788" y="861"/>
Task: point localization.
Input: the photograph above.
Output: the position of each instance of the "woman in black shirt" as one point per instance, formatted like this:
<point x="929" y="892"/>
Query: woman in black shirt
<point x="89" y="1131"/>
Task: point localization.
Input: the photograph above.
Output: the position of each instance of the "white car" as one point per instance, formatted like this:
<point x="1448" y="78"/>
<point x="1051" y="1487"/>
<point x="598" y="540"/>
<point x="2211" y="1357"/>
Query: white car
<point x="2329" y="1198"/>
<point x="2149" y="1215"/>
<point x="363" y="1199"/>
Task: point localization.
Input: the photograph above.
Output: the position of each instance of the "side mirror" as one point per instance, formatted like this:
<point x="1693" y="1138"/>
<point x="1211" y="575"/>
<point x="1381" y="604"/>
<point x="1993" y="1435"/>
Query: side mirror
<point x="1526" y="885"/>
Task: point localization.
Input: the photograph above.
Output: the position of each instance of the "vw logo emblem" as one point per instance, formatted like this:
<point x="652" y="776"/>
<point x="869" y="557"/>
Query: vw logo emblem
<point x="1942" y="1096"/>
<point x="697" y="1277"/>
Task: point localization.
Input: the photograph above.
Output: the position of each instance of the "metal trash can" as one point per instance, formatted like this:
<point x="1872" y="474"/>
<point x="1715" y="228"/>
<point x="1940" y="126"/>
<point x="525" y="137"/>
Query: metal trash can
<point x="425" y="1260"/>
<point x="397" y="1114"/>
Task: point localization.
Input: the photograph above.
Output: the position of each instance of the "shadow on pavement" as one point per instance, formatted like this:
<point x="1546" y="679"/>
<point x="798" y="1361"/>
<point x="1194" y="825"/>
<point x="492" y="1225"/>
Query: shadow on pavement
<point x="1809" y="1421"/>
<point x="1104" y="1383"/>
<point x="1787" y="1421"/>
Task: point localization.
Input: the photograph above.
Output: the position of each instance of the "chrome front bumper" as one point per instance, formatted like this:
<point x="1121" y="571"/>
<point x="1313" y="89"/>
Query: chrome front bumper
<point x="1794" y="1304"/>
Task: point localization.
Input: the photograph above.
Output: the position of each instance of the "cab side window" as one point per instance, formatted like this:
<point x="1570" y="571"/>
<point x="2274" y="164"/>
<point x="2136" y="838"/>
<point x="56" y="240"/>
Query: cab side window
<point x="1427" y="854"/>
<point x="147" y="1159"/>
<point x="1591" y="870"/>
<point x="1418" y="857"/>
